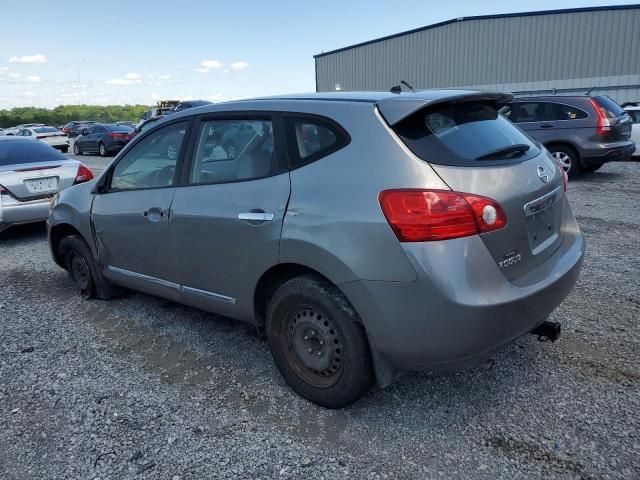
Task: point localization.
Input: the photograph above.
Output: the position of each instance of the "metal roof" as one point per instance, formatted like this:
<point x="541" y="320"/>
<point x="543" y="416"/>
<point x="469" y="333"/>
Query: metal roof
<point x="483" y="17"/>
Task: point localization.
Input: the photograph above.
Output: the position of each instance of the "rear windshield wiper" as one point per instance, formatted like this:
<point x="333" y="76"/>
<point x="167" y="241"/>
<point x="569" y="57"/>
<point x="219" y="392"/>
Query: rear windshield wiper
<point x="509" y="151"/>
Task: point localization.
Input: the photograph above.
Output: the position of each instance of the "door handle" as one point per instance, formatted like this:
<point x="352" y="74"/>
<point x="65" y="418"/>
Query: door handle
<point x="547" y="125"/>
<point x="256" y="216"/>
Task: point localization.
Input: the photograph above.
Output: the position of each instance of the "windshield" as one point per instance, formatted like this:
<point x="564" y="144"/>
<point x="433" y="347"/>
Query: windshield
<point x="46" y="130"/>
<point x="464" y="134"/>
<point x="18" y="151"/>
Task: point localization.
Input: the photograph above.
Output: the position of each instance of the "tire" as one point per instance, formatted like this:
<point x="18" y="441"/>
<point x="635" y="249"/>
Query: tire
<point x="102" y="150"/>
<point x="318" y="342"/>
<point x="76" y="149"/>
<point x="567" y="158"/>
<point x="83" y="269"/>
<point x="592" y="168"/>
<point x="64" y="149"/>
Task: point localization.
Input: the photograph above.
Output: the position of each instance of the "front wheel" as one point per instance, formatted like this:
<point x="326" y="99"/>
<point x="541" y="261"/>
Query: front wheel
<point x="84" y="270"/>
<point x="318" y="342"/>
<point x="76" y="149"/>
<point x="567" y="158"/>
<point x="102" y="149"/>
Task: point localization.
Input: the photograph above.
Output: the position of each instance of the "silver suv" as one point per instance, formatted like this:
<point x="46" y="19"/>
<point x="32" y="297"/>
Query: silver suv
<point x="369" y="233"/>
<point x="582" y="132"/>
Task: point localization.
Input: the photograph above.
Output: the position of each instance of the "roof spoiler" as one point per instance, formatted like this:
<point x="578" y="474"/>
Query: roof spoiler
<point x="400" y="106"/>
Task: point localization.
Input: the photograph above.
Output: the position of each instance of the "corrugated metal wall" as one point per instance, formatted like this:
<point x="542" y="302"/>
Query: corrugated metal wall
<point x="534" y="53"/>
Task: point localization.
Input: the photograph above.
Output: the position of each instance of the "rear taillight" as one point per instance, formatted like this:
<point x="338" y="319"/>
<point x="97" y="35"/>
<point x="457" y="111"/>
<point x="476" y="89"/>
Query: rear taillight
<point x="429" y="215"/>
<point x="116" y="135"/>
<point x="604" y="125"/>
<point x="83" y="175"/>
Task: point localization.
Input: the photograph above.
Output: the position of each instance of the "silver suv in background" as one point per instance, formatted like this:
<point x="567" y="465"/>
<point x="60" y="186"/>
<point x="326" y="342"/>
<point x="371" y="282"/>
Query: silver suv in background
<point x="582" y="132"/>
<point x="368" y="233"/>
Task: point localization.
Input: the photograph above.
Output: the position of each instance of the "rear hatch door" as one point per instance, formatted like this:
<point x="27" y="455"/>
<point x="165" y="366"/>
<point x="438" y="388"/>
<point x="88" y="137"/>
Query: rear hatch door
<point x="476" y="150"/>
<point x="619" y="121"/>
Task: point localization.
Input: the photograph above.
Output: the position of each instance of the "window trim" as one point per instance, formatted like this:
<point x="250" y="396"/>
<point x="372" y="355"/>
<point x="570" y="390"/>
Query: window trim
<point x="343" y="138"/>
<point x="104" y="187"/>
<point x="234" y="115"/>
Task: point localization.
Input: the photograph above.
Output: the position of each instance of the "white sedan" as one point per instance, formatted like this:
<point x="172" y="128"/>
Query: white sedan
<point x="634" y="113"/>
<point x="49" y="135"/>
<point x="15" y="130"/>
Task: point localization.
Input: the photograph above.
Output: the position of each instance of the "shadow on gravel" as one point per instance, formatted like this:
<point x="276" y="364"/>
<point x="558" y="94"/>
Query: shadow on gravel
<point x="19" y="233"/>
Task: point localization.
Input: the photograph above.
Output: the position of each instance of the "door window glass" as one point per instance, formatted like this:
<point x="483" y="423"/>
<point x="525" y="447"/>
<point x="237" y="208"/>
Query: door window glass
<point x="567" y="112"/>
<point x="152" y="161"/>
<point x="531" y="112"/>
<point x="311" y="139"/>
<point x="232" y="150"/>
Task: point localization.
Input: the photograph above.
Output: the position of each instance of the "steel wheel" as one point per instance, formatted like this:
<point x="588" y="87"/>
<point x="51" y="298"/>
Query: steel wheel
<point x="103" y="150"/>
<point x="172" y="152"/>
<point x="80" y="272"/>
<point x="564" y="159"/>
<point x="314" y="349"/>
<point x="76" y="149"/>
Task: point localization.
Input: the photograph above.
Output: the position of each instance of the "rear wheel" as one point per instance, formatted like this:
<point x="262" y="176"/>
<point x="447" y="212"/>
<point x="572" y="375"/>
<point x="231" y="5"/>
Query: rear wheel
<point x="567" y="158"/>
<point x="83" y="269"/>
<point x="318" y="342"/>
<point x="64" y="149"/>
<point x="76" y="149"/>
<point x="592" y="168"/>
<point x="102" y="150"/>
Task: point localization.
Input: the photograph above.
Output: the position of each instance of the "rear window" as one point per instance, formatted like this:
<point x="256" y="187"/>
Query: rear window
<point x="119" y="128"/>
<point x="611" y="108"/>
<point x="460" y="135"/>
<point x="45" y="130"/>
<point x="15" y="152"/>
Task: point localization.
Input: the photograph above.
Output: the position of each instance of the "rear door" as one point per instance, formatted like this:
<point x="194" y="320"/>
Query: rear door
<point x="535" y="118"/>
<point x="131" y="215"/>
<point x="226" y="223"/>
<point x="462" y="142"/>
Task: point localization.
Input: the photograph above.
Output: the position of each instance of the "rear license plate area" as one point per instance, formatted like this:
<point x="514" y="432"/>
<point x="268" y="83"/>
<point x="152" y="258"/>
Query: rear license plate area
<point x="42" y="185"/>
<point x="544" y="216"/>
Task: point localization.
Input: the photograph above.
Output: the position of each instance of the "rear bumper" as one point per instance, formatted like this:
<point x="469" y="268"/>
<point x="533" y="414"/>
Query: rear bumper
<point x="115" y="146"/>
<point x="14" y="212"/>
<point x="462" y="308"/>
<point x="614" y="154"/>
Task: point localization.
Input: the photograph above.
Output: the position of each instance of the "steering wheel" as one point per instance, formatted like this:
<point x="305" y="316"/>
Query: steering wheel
<point x="164" y="176"/>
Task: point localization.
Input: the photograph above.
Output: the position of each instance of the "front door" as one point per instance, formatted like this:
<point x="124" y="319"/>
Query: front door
<point x="131" y="217"/>
<point x="225" y="225"/>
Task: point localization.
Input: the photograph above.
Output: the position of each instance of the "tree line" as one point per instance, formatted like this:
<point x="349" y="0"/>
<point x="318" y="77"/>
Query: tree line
<point x="63" y="114"/>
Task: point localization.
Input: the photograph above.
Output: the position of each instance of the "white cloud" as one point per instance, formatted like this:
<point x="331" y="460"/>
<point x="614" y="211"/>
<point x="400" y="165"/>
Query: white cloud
<point x="154" y="96"/>
<point x="4" y="69"/>
<point x="33" y="78"/>
<point x="27" y="94"/>
<point x="239" y="65"/>
<point x="14" y="75"/>
<point x="133" y="76"/>
<point x="38" y="58"/>
<point x="124" y="81"/>
<point x="207" y="65"/>
<point x="164" y="77"/>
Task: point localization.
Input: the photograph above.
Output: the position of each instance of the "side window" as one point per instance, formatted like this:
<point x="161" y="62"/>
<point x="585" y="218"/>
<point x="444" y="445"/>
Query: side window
<point x="567" y="112"/>
<point x="152" y="161"/>
<point x="635" y="115"/>
<point x="233" y="149"/>
<point x="506" y="112"/>
<point x="531" y="112"/>
<point x="310" y="139"/>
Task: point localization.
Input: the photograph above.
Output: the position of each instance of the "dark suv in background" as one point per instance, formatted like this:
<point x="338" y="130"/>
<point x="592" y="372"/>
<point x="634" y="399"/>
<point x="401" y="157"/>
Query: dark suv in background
<point x="581" y="132"/>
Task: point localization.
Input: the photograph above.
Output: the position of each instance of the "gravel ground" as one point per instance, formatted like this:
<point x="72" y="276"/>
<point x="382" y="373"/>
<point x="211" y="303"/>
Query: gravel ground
<point x="139" y="387"/>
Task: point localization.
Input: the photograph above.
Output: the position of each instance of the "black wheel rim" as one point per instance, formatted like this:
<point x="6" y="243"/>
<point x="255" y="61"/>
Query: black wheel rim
<point x="314" y="349"/>
<point x="80" y="272"/>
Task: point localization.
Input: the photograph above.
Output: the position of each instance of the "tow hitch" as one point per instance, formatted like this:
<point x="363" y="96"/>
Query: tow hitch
<point x="547" y="331"/>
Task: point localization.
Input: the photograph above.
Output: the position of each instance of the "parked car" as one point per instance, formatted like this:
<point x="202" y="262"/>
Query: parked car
<point x="31" y="172"/>
<point x="49" y="135"/>
<point x="15" y="130"/>
<point x="190" y="104"/>
<point x="633" y="110"/>
<point x="399" y="232"/>
<point x="73" y="129"/>
<point x="582" y="132"/>
<point x="105" y="139"/>
<point x="163" y="107"/>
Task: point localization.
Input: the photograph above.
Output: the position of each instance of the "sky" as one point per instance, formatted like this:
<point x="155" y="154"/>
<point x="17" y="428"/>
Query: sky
<point x="128" y="52"/>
